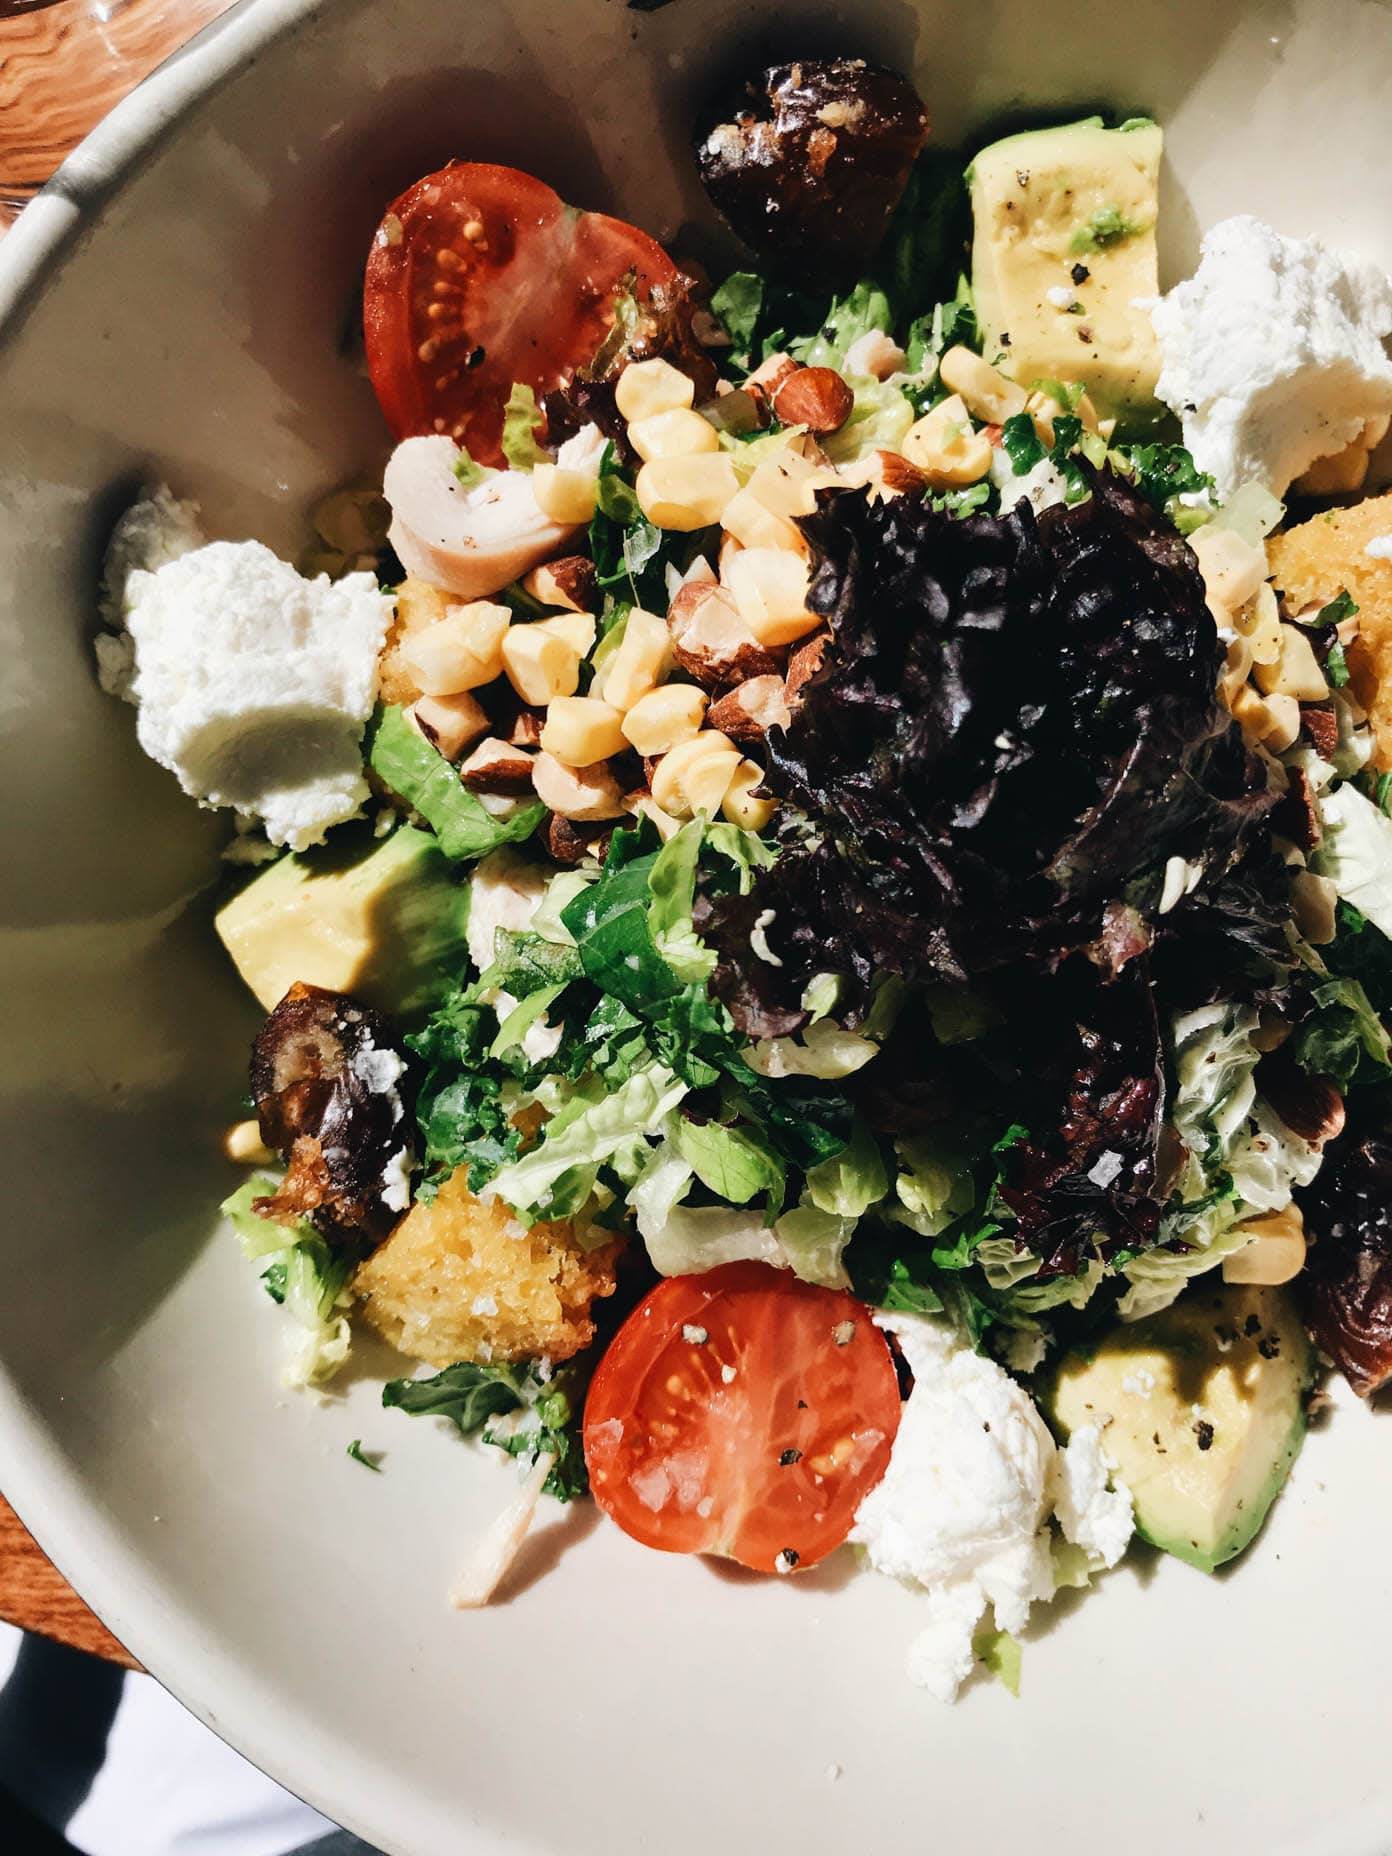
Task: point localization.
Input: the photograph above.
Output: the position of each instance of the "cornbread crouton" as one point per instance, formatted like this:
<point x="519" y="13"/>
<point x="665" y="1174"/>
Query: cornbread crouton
<point x="461" y="1279"/>
<point x="1313" y="561"/>
<point x="417" y="605"/>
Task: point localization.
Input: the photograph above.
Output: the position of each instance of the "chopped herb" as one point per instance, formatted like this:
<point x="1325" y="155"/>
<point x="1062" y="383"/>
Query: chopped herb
<point x="542" y="1411"/>
<point x="1382" y="791"/>
<point x="467" y="471"/>
<point x="1107" y="226"/>
<point x="1341" y="607"/>
<point x="359" y="1455"/>
<point x="1336" y="666"/>
<point x="1163" y="472"/>
<point x="1022" y="444"/>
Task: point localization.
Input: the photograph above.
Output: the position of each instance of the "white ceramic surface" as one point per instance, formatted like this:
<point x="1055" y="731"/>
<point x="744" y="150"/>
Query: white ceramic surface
<point x="176" y="304"/>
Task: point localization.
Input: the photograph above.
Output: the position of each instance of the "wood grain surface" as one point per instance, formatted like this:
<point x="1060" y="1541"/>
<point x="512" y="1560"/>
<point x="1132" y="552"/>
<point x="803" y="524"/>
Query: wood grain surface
<point x="36" y="1597"/>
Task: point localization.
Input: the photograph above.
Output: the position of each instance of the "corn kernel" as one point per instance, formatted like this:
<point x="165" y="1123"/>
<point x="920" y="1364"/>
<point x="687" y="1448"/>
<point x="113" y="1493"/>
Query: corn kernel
<point x="640" y="662"/>
<point x="946" y="448"/>
<point x="242" y="1143"/>
<point x="665" y="717"/>
<point x="577" y="629"/>
<point x="1258" y="622"/>
<point x="770" y="589"/>
<point x="741" y="805"/>
<point x="754" y="525"/>
<point x="580" y="730"/>
<point x="696" y="775"/>
<point x="646" y="388"/>
<point x="679" y="433"/>
<point x="565" y="496"/>
<point x="686" y="493"/>
<point x="1295" y="672"/>
<point x="462" y="651"/>
<point x="539" y="665"/>
<point x="785" y="484"/>
<point x="983" y="389"/>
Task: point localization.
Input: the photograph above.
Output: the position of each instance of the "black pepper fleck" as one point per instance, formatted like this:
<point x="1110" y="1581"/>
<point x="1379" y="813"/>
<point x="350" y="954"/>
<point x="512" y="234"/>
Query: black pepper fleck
<point x="1080" y="273"/>
<point x="788" y="1458"/>
<point x="1004" y="340"/>
<point x="802" y="1404"/>
<point x="1269" y="1347"/>
<point x="1085" y="335"/>
<point x="1203" y="1430"/>
<point x="1252" y="1325"/>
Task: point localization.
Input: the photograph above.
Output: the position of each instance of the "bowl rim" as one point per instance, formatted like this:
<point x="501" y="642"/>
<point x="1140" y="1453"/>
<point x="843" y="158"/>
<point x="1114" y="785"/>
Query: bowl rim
<point x="44" y="1487"/>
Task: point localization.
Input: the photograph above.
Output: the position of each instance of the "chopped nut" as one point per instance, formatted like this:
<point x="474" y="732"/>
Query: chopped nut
<point x="569" y="582"/>
<point x="750" y="709"/>
<point x="805" y="662"/>
<point x="1311" y="1106"/>
<point x="1321" y="724"/>
<point x="710" y="640"/>
<point x="449" y="723"/>
<point x="570" y="842"/>
<point x="497" y="767"/>
<point x="898" y="477"/>
<point x="816" y="397"/>
<point x="577" y="792"/>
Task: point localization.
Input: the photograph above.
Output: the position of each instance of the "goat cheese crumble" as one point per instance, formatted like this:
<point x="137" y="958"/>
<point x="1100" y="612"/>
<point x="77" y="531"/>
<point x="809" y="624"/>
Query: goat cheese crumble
<point x="963" y="1509"/>
<point x="252" y="684"/>
<point x="1271" y="353"/>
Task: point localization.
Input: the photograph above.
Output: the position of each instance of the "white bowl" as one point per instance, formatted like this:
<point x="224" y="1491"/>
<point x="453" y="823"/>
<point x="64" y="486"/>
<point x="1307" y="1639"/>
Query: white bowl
<point x="175" y="304"/>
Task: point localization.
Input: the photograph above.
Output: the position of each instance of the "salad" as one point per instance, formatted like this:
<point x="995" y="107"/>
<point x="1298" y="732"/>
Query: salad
<point x="817" y="854"/>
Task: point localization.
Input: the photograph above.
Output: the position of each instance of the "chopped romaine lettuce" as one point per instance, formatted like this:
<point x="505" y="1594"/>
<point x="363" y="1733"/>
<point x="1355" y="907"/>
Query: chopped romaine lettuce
<point x="405" y="761"/>
<point x="306" y="1277"/>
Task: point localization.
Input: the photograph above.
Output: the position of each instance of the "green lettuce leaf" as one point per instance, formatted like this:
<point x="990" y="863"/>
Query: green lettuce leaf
<point x="521" y="420"/>
<point x="611" y="1131"/>
<point x="732" y="1162"/>
<point x="304" y="1275"/>
<point x="405" y="761"/>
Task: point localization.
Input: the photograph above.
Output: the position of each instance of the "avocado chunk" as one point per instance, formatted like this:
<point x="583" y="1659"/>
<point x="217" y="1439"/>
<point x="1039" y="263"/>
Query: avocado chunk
<point x="1204" y="1413"/>
<point x="1063" y="244"/>
<point x="384" y="923"/>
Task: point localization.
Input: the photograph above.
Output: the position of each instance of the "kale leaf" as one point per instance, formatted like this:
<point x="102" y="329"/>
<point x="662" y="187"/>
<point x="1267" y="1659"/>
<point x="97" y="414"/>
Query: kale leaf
<point x="472" y="1397"/>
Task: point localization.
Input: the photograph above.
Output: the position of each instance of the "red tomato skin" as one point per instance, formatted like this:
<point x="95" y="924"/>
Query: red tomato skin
<point x="766" y="1467"/>
<point x="478" y="276"/>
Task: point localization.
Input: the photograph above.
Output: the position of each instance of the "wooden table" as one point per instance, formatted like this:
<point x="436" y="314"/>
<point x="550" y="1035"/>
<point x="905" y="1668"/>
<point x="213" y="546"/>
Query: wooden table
<point x="34" y="1595"/>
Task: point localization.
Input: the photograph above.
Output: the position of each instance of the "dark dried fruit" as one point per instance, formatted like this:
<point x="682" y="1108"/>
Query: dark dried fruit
<point x="808" y="161"/>
<point x="326" y="1076"/>
<point x="1345" y="1288"/>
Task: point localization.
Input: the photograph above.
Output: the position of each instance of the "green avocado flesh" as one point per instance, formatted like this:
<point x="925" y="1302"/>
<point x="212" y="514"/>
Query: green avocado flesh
<point x="1204" y="1413"/>
<point x="386" y="924"/>
<point x="1064" y="245"/>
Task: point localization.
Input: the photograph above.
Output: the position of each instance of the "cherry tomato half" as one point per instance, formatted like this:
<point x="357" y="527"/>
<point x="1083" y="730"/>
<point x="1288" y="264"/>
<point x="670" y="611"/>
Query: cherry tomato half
<point x="742" y="1412"/>
<point x="480" y="276"/>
